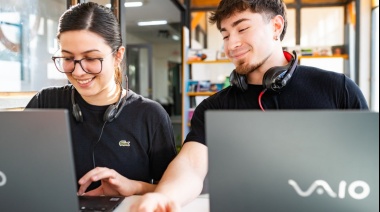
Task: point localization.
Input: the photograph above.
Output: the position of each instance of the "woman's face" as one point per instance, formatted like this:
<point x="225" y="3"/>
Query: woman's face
<point x="81" y="44"/>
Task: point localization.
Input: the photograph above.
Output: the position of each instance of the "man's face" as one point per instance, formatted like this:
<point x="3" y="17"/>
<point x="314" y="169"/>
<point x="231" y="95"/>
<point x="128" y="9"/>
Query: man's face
<point x="248" y="40"/>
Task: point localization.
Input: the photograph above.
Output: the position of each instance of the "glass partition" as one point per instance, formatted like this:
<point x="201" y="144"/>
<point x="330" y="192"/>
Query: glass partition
<point x="27" y="42"/>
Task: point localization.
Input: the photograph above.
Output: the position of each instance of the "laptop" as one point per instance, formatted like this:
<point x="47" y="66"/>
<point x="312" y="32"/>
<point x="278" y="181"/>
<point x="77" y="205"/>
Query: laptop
<point x="37" y="166"/>
<point x="293" y="160"/>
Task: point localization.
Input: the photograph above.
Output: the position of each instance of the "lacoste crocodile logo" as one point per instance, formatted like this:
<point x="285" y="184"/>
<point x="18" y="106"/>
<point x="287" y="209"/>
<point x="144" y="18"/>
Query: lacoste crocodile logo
<point x="124" y="143"/>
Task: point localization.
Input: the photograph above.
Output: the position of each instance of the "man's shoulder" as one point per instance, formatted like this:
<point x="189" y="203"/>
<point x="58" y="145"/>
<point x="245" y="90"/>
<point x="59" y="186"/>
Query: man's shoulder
<point x="317" y="73"/>
<point x="314" y="69"/>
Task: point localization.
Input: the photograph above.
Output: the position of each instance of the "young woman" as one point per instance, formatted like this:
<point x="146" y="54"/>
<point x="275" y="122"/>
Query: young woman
<point x="122" y="142"/>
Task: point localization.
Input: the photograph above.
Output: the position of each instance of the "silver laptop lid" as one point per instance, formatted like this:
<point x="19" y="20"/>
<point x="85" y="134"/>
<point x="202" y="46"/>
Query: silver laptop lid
<point x="36" y="162"/>
<point x="293" y="160"/>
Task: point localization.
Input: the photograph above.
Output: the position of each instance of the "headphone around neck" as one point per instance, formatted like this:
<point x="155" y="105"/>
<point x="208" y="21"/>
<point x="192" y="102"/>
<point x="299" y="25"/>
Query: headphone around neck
<point x="111" y="113"/>
<point x="275" y="78"/>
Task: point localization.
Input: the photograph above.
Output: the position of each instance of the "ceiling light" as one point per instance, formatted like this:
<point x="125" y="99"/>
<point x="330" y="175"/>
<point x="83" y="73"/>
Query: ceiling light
<point x="175" y="37"/>
<point x="133" y="4"/>
<point x="148" y="23"/>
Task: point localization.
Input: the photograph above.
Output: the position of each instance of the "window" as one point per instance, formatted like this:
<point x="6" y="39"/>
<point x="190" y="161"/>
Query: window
<point x="27" y="41"/>
<point x="322" y="26"/>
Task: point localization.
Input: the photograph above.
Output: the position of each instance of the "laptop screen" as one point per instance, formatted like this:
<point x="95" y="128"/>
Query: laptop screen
<point x="37" y="166"/>
<point x="36" y="160"/>
<point x="293" y="160"/>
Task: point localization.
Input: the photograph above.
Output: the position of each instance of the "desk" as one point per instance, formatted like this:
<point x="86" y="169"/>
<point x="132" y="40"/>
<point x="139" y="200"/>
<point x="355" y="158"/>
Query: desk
<point x="200" y="204"/>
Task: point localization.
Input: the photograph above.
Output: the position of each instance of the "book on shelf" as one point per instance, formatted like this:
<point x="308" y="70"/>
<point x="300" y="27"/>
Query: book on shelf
<point x="204" y="85"/>
<point x="338" y="50"/>
<point x="201" y="55"/>
<point x="215" y="87"/>
<point x="318" y="50"/>
<point x="190" y="113"/>
<point x="192" y="86"/>
<point x="322" y="51"/>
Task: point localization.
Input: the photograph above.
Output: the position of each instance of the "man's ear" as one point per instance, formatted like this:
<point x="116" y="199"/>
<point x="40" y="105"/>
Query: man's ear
<point x="278" y="25"/>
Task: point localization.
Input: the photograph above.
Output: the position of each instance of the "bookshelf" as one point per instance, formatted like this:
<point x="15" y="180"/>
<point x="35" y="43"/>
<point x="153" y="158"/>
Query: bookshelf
<point x="208" y="62"/>
<point x="200" y="93"/>
<point x="198" y="81"/>
<point x="343" y="56"/>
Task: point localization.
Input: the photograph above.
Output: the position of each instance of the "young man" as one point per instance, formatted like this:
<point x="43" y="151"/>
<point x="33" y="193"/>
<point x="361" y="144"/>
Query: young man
<point x="265" y="78"/>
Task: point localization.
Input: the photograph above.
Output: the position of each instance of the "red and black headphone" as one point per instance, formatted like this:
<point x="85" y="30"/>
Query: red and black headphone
<point x="275" y="78"/>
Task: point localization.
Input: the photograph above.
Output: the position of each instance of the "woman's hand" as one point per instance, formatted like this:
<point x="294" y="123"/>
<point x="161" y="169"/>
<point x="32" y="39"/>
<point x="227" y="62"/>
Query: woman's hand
<point x="112" y="184"/>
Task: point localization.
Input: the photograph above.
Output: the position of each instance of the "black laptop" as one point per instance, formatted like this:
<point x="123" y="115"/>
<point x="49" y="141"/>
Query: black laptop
<point x="37" y="166"/>
<point x="314" y="161"/>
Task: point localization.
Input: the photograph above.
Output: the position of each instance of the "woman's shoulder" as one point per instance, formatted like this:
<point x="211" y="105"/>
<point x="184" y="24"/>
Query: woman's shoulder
<point x="55" y="90"/>
<point x="51" y="97"/>
<point x="142" y="102"/>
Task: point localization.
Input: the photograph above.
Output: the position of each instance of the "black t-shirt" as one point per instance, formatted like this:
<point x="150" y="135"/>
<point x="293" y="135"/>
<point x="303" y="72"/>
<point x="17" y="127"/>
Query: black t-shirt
<point x="308" y="88"/>
<point x="139" y="144"/>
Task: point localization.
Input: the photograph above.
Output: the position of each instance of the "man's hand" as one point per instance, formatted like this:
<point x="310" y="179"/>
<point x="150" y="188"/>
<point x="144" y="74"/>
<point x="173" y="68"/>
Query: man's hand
<point x="155" y="202"/>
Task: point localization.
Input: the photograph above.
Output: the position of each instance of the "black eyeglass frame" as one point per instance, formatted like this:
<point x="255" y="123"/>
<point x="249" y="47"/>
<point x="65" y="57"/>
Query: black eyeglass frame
<point x="80" y="63"/>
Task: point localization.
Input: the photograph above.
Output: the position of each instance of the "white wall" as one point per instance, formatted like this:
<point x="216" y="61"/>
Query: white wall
<point x="214" y="38"/>
<point x="162" y="54"/>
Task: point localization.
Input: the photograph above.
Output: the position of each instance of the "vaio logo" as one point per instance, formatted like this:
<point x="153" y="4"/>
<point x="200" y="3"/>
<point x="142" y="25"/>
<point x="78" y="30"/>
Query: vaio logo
<point x="3" y="178"/>
<point x="321" y="186"/>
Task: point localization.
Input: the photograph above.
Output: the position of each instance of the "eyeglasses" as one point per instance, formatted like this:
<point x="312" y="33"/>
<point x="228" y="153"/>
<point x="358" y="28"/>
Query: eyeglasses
<point x="88" y="65"/>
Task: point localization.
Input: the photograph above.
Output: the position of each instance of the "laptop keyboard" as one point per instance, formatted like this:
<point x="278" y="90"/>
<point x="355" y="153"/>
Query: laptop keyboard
<point x="98" y="203"/>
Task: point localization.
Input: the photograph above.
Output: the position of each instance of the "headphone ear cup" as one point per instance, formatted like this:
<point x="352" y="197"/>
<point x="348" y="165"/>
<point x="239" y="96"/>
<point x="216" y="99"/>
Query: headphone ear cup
<point x="277" y="77"/>
<point x="120" y="108"/>
<point x="110" y="113"/>
<point x="77" y="113"/>
<point x="272" y="79"/>
<point x="238" y="80"/>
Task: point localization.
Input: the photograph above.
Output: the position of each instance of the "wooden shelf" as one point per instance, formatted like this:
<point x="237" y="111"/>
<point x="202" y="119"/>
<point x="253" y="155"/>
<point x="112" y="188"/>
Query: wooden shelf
<point x="18" y="94"/>
<point x="207" y="93"/>
<point x="208" y="61"/>
<point x="344" y="56"/>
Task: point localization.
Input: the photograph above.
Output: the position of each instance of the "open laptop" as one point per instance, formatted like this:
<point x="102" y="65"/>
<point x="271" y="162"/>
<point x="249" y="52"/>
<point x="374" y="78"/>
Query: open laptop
<point x="293" y="160"/>
<point x="37" y="167"/>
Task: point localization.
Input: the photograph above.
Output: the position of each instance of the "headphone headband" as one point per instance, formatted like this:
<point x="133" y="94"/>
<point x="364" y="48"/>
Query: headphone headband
<point x="111" y="113"/>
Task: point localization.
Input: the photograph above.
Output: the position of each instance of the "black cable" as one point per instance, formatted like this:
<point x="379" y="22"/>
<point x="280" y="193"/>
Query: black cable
<point x="93" y="147"/>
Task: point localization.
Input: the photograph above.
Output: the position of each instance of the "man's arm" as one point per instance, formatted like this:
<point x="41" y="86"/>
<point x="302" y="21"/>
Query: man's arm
<point x="183" y="179"/>
<point x="181" y="183"/>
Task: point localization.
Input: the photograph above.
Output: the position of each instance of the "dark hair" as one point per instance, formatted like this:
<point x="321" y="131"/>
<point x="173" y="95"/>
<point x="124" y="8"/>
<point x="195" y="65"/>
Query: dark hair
<point x="267" y="8"/>
<point x="94" y="18"/>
